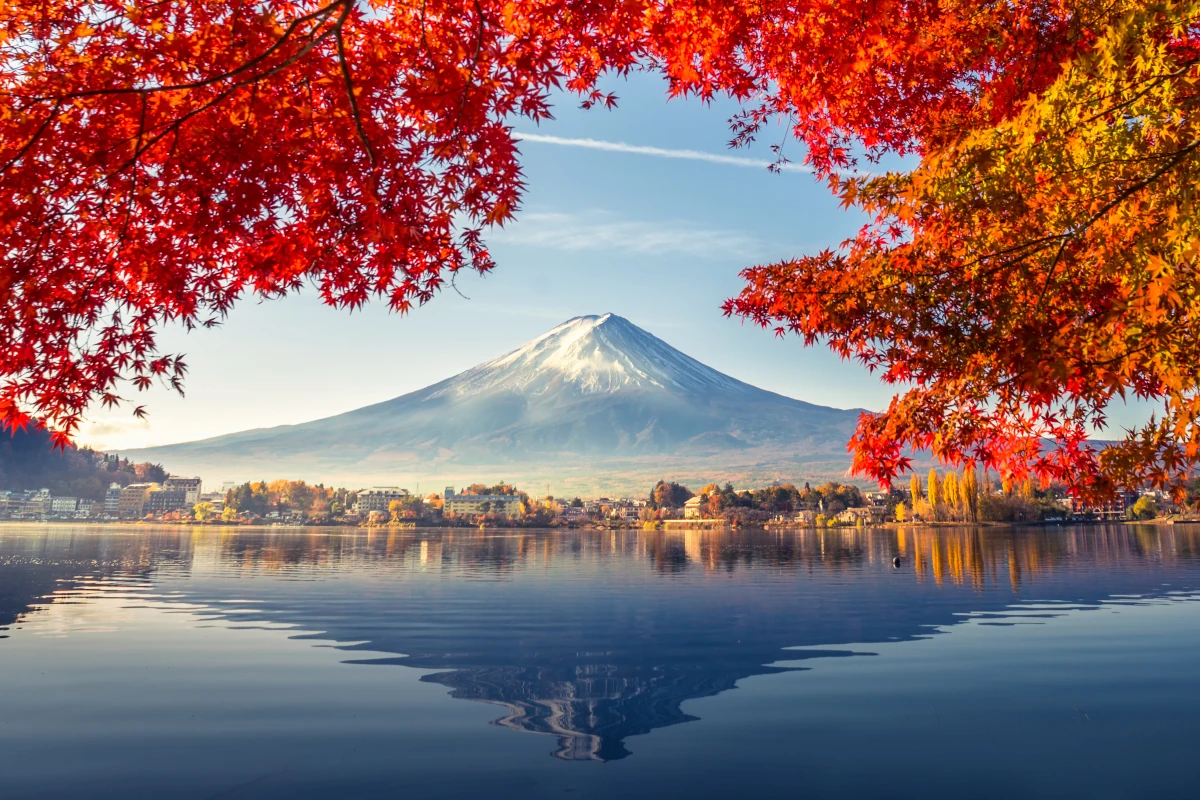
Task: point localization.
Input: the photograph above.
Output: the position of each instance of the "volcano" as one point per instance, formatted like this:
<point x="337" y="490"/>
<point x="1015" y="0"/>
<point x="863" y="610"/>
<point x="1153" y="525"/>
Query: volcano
<point x="597" y="402"/>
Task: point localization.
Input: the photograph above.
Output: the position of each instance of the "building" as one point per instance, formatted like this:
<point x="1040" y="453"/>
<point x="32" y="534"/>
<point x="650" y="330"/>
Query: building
<point x="878" y="498"/>
<point x="132" y="502"/>
<point x="378" y="498"/>
<point x="862" y="516"/>
<point x="216" y="499"/>
<point x="626" y="513"/>
<point x="89" y="509"/>
<point x="112" y="500"/>
<point x="1117" y="508"/>
<point x="473" y="505"/>
<point x="691" y="509"/>
<point x="164" y="501"/>
<point x="573" y="514"/>
<point x="191" y="487"/>
<point x="64" y="506"/>
<point x="805" y="516"/>
<point x="37" y="504"/>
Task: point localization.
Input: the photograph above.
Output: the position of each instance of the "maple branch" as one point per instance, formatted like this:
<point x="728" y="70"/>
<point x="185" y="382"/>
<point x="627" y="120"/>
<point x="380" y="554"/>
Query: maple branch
<point x="462" y="104"/>
<point x="129" y="198"/>
<point x="345" y="67"/>
<point x="33" y="139"/>
<point x="1122" y="196"/>
<point x="320" y="15"/>
<point x="1150" y="83"/>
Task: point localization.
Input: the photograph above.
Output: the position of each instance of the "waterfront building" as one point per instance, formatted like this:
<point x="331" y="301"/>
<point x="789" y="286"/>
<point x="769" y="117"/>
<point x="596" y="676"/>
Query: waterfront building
<point x="1117" y="508"/>
<point x="132" y="502"/>
<point x="191" y="487"/>
<point x="472" y="505"/>
<point x="862" y="516"/>
<point x="63" y="506"/>
<point x="112" y="500"/>
<point x="164" y="501"/>
<point x="691" y="509"/>
<point x="89" y="509"/>
<point x="378" y="498"/>
<point x="37" y="504"/>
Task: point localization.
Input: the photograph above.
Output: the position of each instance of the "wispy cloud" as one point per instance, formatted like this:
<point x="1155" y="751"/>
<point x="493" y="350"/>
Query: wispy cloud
<point x="658" y="152"/>
<point x="604" y="231"/>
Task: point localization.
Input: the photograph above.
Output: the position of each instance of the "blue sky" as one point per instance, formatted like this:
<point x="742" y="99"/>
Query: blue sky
<point x="657" y="238"/>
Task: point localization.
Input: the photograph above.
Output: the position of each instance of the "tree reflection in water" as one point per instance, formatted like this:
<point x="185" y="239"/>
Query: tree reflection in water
<point x="598" y="636"/>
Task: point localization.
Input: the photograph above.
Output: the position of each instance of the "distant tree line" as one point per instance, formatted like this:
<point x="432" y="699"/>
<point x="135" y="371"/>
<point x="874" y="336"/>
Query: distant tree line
<point x="755" y="505"/>
<point x="260" y="498"/>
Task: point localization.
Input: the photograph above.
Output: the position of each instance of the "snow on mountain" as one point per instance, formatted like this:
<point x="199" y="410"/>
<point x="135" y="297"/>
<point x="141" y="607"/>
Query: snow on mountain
<point x="595" y="393"/>
<point x="594" y="355"/>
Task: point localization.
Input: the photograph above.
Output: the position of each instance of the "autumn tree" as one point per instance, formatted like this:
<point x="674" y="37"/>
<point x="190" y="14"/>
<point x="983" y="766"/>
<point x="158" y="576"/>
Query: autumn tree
<point x="950" y="494"/>
<point x="669" y="495"/>
<point x="970" y="491"/>
<point x="933" y="492"/>
<point x="160" y="162"/>
<point x="1034" y="267"/>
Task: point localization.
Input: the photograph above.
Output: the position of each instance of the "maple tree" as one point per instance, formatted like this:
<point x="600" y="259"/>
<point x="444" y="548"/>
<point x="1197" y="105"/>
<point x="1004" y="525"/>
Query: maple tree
<point x="1029" y="271"/>
<point x="159" y="161"/>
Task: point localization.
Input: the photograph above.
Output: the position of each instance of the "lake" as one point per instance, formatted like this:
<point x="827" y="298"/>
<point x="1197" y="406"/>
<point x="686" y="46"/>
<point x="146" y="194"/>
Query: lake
<point x="225" y="663"/>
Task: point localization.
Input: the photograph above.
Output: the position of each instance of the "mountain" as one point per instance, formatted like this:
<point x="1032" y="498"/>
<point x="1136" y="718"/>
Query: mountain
<point x="596" y="403"/>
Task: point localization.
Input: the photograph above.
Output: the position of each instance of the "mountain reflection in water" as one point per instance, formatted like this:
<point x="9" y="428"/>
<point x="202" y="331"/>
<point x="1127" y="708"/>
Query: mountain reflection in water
<point x="595" y="636"/>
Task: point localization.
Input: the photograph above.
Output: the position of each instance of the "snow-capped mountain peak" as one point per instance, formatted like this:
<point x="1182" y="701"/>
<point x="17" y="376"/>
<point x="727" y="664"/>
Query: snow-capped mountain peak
<point x="595" y="395"/>
<point x="591" y="355"/>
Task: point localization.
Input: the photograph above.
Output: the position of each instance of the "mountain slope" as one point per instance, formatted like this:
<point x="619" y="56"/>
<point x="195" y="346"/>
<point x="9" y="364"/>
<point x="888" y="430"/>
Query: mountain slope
<point x="595" y="393"/>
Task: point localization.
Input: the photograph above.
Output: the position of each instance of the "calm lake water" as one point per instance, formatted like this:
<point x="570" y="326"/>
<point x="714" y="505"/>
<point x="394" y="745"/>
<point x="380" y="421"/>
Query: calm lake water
<point x="166" y="663"/>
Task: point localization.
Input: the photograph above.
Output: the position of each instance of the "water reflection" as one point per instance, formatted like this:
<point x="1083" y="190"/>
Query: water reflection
<point x="597" y="637"/>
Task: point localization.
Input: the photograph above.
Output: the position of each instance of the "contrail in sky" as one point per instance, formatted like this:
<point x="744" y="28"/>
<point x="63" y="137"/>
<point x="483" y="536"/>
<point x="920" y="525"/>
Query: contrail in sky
<point x="660" y="152"/>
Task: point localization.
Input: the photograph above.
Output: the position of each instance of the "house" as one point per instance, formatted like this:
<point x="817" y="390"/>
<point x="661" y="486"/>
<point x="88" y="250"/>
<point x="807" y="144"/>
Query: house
<point x="868" y="515"/>
<point x="878" y="498"/>
<point x="691" y="509"/>
<point x="1117" y="508"/>
<point x="807" y="516"/>
<point x="573" y="514"/>
<point x="625" y="513"/>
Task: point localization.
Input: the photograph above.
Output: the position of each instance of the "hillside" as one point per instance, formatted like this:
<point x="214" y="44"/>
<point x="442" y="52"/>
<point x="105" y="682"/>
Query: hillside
<point x="27" y="461"/>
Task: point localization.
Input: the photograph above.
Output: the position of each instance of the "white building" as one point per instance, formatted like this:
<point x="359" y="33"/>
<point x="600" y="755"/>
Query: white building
<point x="64" y="505"/>
<point x="112" y="499"/>
<point x="691" y="509"/>
<point x="378" y="498"/>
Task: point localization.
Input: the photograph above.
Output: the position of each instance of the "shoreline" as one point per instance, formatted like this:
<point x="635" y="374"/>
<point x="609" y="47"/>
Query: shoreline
<point x="704" y="526"/>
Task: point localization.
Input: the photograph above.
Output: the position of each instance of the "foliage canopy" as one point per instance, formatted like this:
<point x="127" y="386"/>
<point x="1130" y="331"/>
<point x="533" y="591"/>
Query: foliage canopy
<point x="159" y="161"/>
